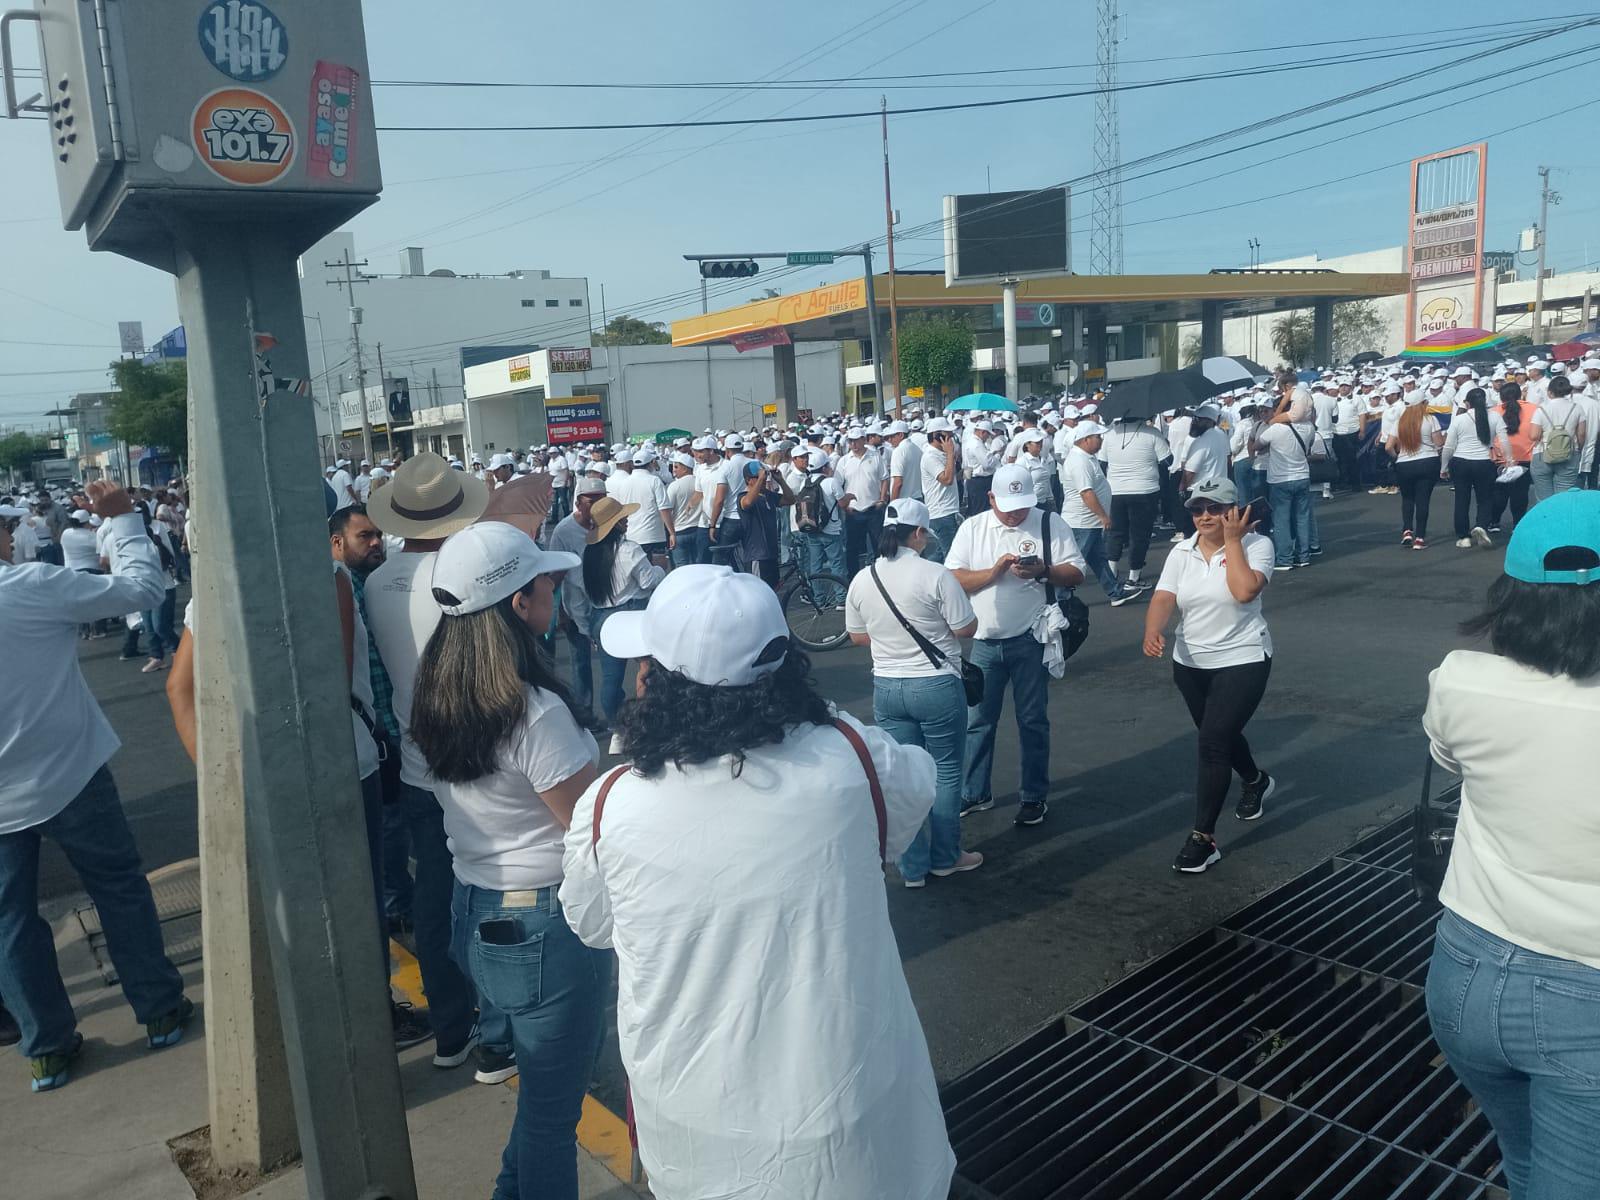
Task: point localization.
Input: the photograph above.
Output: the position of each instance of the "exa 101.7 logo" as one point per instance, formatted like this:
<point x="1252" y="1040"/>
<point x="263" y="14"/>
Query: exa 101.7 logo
<point x="243" y="136"/>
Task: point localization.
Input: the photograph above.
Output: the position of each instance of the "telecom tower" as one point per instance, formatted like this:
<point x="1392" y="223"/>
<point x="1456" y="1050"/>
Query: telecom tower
<point x="1105" y="245"/>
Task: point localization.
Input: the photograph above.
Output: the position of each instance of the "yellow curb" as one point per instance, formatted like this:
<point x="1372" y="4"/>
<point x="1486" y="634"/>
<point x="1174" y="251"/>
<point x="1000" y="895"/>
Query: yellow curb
<point x="600" y="1131"/>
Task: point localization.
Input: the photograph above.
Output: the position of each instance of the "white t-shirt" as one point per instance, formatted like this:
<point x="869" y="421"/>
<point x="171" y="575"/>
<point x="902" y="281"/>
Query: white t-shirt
<point x="339" y="481"/>
<point x="638" y="486"/>
<point x="905" y="464"/>
<point x="688" y="505"/>
<point x="1461" y="441"/>
<point x="942" y="499"/>
<point x="832" y="494"/>
<point x="1550" y="413"/>
<point x="1239" y="442"/>
<point x="1178" y="436"/>
<point x="1132" y="455"/>
<point x="862" y="478"/>
<point x="1425" y="442"/>
<point x="1009" y="606"/>
<point x="402" y="615"/>
<point x="632" y="575"/>
<point x="1326" y="408"/>
<point x="1039" y="471"/>
<point x="980" y="455"/>
<point x="501" y="833"/>
<point x="80" y="548"/>
<point x="1286" y="459"/>
<point x="1390" y="420"/>
<point x="1347" y="412"/>
<point x="363" y="487"/>
<point x="730" y="474"/>
<point x="1215" y="629"/>
<point x="1080" y="472"/>
<point x="928" y="596"/>
<point x="1207" y="455"/>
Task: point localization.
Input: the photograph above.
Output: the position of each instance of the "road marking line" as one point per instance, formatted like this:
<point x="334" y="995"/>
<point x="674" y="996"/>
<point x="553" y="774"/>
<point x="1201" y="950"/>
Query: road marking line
<point x="600" y="1131"/>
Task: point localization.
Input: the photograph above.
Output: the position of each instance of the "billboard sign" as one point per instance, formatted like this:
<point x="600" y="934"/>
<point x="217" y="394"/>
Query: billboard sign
<point x="994" y="236"/>
<point x="1444" y="241"/>
<point x="1029" y="316"/>
<point x="579" y="419"/>
<point x="570" y="360"/>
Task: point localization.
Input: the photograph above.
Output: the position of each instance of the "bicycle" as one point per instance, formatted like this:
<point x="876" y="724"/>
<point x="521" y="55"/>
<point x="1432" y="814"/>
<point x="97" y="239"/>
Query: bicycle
<point x="815" y="626"/>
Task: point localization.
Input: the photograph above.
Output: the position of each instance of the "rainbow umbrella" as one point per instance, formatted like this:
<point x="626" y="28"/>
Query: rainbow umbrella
<point x="1449" y="343"/>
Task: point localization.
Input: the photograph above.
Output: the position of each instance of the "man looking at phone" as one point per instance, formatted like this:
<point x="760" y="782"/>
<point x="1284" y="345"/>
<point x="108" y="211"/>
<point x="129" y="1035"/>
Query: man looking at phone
<point x="1003" y="559"/>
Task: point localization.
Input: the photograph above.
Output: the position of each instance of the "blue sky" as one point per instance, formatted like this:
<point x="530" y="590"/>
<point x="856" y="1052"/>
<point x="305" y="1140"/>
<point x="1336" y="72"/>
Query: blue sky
<point x="623" y="207"/>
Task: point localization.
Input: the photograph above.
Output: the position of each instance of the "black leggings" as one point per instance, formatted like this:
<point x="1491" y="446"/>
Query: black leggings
<point x="1131" y="519"/>
<point x="1417" y="479"/>
<point x="1473" y="477"/>
<point x="1515" y="494"/>
<point x="1221" y="701"/>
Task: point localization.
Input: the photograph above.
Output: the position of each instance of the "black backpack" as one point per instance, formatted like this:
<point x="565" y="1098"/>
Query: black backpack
<point x="812" y="511"/>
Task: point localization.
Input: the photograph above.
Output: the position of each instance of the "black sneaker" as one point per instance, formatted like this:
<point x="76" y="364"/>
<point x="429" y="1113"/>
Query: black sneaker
<point x="1031" y="812"/>
<point x="10" y="1033"/>
<point x="168" y="1030"/>
<point x="1132" y="589"/>
<point x="1198" y="853"/>
<point x="1252" y="795"/>
<point x="400" y="924"/>
<point x="977" y="806"/>
<point x="409" y="1028"/>
<point x="493" y="1066"/>
<point x="445" y="1057"/>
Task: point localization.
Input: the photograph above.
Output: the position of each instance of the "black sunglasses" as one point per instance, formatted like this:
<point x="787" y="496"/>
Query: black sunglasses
<point x="1210" y="509"/>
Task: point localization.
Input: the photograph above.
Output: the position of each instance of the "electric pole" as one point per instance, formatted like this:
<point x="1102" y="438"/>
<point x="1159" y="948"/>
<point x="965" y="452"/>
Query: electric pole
<point x="383" y="391"/>
<point x="351" y="278"/>
<point x="894" y="308"/>
<point x="1546" y="199"/>
<point x="1105" y="245"/>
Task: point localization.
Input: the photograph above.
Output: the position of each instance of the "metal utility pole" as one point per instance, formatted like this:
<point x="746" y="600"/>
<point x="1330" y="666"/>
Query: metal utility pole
<point x="1105" y="246"/>
<point x="1546" y="199"/>
<point x="383" y="391"/>
<point x="894" y="308"/>
<point x="872" y="327"/>
<point x="1008" y="295"/>
<point x="1255" y="318"/>
<point x="351" y="278"/>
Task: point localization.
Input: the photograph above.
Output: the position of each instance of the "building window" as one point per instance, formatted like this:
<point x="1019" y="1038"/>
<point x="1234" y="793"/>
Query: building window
<point x="575" y="303"/>
<point x="530" y="304"/>
<point x="552" y="304"/>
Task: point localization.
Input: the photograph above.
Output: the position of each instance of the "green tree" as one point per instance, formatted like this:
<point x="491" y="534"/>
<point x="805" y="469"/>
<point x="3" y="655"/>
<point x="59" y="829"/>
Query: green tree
<point x="1357" y="326"/>
<point x="152" y="408"/>
<point x="1191" y="352"/>
<point x="631" y="331"/>
<point x="18" y="450"/>
<point x="935" y="352"/>
<point x="1291" y="337"/>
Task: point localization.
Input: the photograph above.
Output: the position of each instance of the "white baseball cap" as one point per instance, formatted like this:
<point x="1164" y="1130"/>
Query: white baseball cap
<point x="709" y="623"/>
<point x="940" y="425"/>
<point x="681" y="459"/>
<point x="501" y="460"/>
<point x="590" y="486"/>
<point x="81" y="514"/>
<point x="733" y="442"/>
<point x="484" y="563"/>
<point x="897" y="427"/>
<point x="1012" y="488"/>
<point x="1087" y="429"/>
<point x="907" y="511"/>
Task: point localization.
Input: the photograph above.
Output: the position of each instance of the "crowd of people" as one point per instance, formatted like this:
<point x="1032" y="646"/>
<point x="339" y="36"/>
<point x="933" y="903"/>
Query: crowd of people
<point x="474" y="597"/>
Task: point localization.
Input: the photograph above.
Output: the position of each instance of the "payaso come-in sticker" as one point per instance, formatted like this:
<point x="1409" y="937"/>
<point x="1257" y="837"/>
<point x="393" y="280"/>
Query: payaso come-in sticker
<point x="243" y="136"/>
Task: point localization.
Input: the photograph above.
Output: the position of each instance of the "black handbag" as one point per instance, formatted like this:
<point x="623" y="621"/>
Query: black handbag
<point x="1074" y="611"/>
<point x="1324" y="469"/>
<point x="971" y="676"/>
<point x="1433" y="833"/>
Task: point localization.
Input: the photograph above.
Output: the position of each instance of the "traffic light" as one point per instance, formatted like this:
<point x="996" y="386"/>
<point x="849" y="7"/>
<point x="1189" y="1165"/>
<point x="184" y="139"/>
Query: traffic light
<point x="737" y="268"/>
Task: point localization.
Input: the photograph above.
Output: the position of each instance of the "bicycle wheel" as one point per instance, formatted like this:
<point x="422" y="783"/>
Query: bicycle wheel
<point x="816" y="626"/>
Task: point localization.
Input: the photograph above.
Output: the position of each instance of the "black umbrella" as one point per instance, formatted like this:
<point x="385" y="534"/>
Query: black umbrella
<point x="1148" y="395"/>
<point x="1365" y="357"/>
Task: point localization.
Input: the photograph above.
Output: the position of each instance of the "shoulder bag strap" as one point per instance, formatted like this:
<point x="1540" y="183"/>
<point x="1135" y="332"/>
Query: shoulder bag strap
<point x="1304" y="449"/>
<point x="600" y="800"/>
<point x="862" y="753"/>
<point x="935" y="655"/>
<point x="1044" y="536"/>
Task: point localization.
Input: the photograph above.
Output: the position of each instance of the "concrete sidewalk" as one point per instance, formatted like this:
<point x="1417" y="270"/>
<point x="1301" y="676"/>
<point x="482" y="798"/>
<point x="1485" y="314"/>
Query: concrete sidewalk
<point x="106" y="1133"/>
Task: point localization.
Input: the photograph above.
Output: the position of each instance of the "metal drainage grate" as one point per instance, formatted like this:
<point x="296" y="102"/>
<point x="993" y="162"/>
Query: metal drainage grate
<point x="1283" y="1055"/>
<point x="176" y="891"/>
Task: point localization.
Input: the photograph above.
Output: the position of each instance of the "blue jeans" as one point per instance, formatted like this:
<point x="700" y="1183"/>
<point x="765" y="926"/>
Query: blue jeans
<point x="819" y="553"/>
<point x="451" y="997"/>
<point x="552" y="987"/>
<point x="93" y="833"/>
<point x="582" y="664"/>
<point x="612" y="670"/>
<point x="158" y="623"/>
<point x="692" y="548"/>
<point x="398" y="888"/>
<point x="1019" y="660"/>
<point x="929" y="711"/>
<point x="944" y="532"/>
<point x="1550" y="478"/>
<point x="1522" y="1031"/>
<point x="1291" y="521"/>
<point x="1092" y="545"/>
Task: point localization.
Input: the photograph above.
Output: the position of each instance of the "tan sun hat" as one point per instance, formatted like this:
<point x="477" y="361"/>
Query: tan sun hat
<point x="426" y="499"/>
<point x="606" y="512"/>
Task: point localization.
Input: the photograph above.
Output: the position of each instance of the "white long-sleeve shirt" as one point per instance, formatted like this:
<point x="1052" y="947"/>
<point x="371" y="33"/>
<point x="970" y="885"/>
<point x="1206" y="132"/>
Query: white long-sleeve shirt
<point x="53" y="736"/>
<point x="754" y="946"/>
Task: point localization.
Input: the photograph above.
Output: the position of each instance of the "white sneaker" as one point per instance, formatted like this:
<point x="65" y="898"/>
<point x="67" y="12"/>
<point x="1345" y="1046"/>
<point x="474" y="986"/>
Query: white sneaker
<point x="1176" y="538"/>
<point x="1464" y="543"/>
<point x="1480" y="537"/>
<point x="970" y="860"/>
<point x="616" y="743"/>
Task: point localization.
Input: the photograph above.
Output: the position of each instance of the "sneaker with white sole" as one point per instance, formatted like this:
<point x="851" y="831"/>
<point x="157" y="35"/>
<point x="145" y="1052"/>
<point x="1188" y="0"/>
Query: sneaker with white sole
<point x="917" y="883"/>
<point x="1032" y="812"/>
<point x="1464" y="543"/>
<point x="1198" y="853"/>
<point x="970" y="860"/>
<point x="616" y="743"/>
<point x="1253" y="795"/>
<point x="977" y="806"/>
<point x="445" y="1057"/>
<point x="492" y="1065"/>
<point x="1481" y="538"/>
<point x="1132" y="589"/>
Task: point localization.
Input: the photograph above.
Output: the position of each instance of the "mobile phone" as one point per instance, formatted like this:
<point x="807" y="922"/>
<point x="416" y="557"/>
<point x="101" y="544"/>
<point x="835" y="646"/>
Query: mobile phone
<point x="503" y="931"/>
<point x="1028" y="560"/>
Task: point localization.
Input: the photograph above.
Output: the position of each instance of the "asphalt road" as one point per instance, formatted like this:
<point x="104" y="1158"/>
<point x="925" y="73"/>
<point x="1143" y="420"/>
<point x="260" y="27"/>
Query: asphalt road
<point x="1060" y="910"/>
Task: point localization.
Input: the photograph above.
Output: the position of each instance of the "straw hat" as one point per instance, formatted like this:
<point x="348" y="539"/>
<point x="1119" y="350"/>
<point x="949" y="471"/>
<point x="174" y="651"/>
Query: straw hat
<point x="426" y="499"/>
<point x="605" y="513"/>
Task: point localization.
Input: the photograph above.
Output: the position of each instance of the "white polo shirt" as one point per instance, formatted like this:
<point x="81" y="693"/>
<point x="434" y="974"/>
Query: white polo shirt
<point x="905" y="464"/>
<point x="640" y="487"/>
<point x="1216" y="630"/>
<point x="1009" y="606"/>
<point x="1133" y="455"/>
<point x="928" y="596"/>
<point x="1286" y="458"/>
<point x="1207" y="455"/>
<point x="862" y="477"/>
<point x="942" y="499"/>
<point x="1080" y="472"/>
<point x="688" y="505"/>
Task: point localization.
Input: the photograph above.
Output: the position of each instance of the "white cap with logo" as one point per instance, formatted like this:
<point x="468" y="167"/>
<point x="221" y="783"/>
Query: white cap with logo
<point x="709" y="623"/>
<point x="1012" y="488"/>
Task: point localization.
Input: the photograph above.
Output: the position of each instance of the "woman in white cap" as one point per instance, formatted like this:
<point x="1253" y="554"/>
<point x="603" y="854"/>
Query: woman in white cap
<point x="1414" y="446"/>
<point x="1221" y="654"/>
<point x="509" y="758"/>
<point x="1474" y="445"/>
<point x="616" y="576"/>
<point x="912" y="612"/>
<point x="763" y="1014"/>
<point x="1513" y="993"/>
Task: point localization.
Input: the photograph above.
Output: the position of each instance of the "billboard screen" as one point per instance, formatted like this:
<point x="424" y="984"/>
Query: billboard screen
<point x="1444" y="241"/>
<point x="1007" y="235"/>
<point x="579" y="419"/>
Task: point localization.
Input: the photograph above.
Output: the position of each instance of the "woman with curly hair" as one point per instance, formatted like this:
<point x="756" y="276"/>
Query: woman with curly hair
<point x="737" y="868"/>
